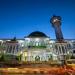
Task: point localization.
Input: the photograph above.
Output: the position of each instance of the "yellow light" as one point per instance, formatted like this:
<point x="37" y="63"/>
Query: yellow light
<point x="25" y="53"/>
<point x="21" y="52"/>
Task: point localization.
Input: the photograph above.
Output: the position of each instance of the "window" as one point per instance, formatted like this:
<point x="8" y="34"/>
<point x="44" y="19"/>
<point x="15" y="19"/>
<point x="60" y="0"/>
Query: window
<point x="68" y="46"/>
<point x="56" y="48"/>
<point x="73" y="51"/>
<point x="10" y="49"/>
<point x="74" y="45"/>
<point x="13" y="49"/>
<point x="60" y="49"/>
<point x="63" y="50"/>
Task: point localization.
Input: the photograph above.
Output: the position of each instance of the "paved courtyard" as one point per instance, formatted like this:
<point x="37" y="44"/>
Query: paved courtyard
<point x="38" y="71"/>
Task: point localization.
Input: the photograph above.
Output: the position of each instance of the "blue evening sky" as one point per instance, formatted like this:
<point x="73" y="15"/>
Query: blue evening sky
<point x="21" y="17"/>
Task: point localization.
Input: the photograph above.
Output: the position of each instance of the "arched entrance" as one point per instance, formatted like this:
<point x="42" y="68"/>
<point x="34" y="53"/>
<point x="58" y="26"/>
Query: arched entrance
<point x="37" y="58"/>
<point x="50" y="57"/>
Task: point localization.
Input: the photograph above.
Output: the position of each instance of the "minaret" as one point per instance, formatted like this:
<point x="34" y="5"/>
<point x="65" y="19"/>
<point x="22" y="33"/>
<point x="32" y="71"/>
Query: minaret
<point x="60" y="43"/>
<point x="56" y="24"/>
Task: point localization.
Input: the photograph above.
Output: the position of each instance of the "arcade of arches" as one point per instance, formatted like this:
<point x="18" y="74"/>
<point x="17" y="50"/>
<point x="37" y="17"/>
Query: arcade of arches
<point x="38" y="55"/>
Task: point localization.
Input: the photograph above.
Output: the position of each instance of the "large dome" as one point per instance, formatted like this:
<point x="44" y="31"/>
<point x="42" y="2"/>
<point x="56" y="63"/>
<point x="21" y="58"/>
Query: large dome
<point x="37" y="34"/>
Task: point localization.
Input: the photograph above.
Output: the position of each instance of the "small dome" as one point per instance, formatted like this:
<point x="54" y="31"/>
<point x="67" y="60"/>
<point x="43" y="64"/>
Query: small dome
<point x="37" y="34"/>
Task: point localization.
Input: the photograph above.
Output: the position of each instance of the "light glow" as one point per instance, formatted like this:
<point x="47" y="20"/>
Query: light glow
<point x="37" y="39"/>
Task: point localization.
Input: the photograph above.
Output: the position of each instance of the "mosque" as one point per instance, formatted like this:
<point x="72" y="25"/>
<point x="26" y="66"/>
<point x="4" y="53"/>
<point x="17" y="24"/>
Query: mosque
<point x="37" y="46"/>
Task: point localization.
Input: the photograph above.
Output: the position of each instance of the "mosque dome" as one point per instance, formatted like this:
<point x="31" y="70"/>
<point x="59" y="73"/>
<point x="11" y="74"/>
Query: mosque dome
<point x="37" y="34"/>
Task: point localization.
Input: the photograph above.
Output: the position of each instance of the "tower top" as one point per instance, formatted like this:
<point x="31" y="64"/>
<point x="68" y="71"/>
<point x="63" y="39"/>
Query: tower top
<point x="55" y="20"/>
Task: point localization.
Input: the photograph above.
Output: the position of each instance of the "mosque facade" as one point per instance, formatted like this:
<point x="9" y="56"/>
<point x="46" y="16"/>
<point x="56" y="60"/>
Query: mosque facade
<point x="37" y="46"/>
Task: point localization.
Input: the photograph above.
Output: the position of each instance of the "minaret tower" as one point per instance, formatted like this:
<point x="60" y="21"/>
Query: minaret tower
<point x="56" y="24"/>
<point x="60" y="43"/>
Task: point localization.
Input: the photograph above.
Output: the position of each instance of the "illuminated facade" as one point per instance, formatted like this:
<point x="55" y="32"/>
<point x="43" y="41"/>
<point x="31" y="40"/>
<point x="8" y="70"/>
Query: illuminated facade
<point x="37" y="47"/>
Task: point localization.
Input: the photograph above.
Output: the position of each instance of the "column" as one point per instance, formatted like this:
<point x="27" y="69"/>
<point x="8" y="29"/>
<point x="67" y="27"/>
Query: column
<point x="58" y="50"/>
<point x="28" y="54"/>
<point x="12" y="49"/>
<point x="7" y="50"/>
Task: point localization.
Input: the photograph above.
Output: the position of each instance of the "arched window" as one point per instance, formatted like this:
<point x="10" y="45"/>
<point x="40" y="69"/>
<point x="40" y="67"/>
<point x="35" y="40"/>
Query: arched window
<point x="37" y="43"/>
<point x="7" y="48"/>
<point x="13" y="49"/>
<point x="63" y="50"/>
<point x="60" y="49"/>
<point x="10" y="49"/>
<point x="56" y="48"/>
<point x="69" y="46"/>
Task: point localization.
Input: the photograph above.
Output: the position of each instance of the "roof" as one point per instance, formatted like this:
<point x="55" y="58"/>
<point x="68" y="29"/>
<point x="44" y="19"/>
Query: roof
<point x="37" y="34"/>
